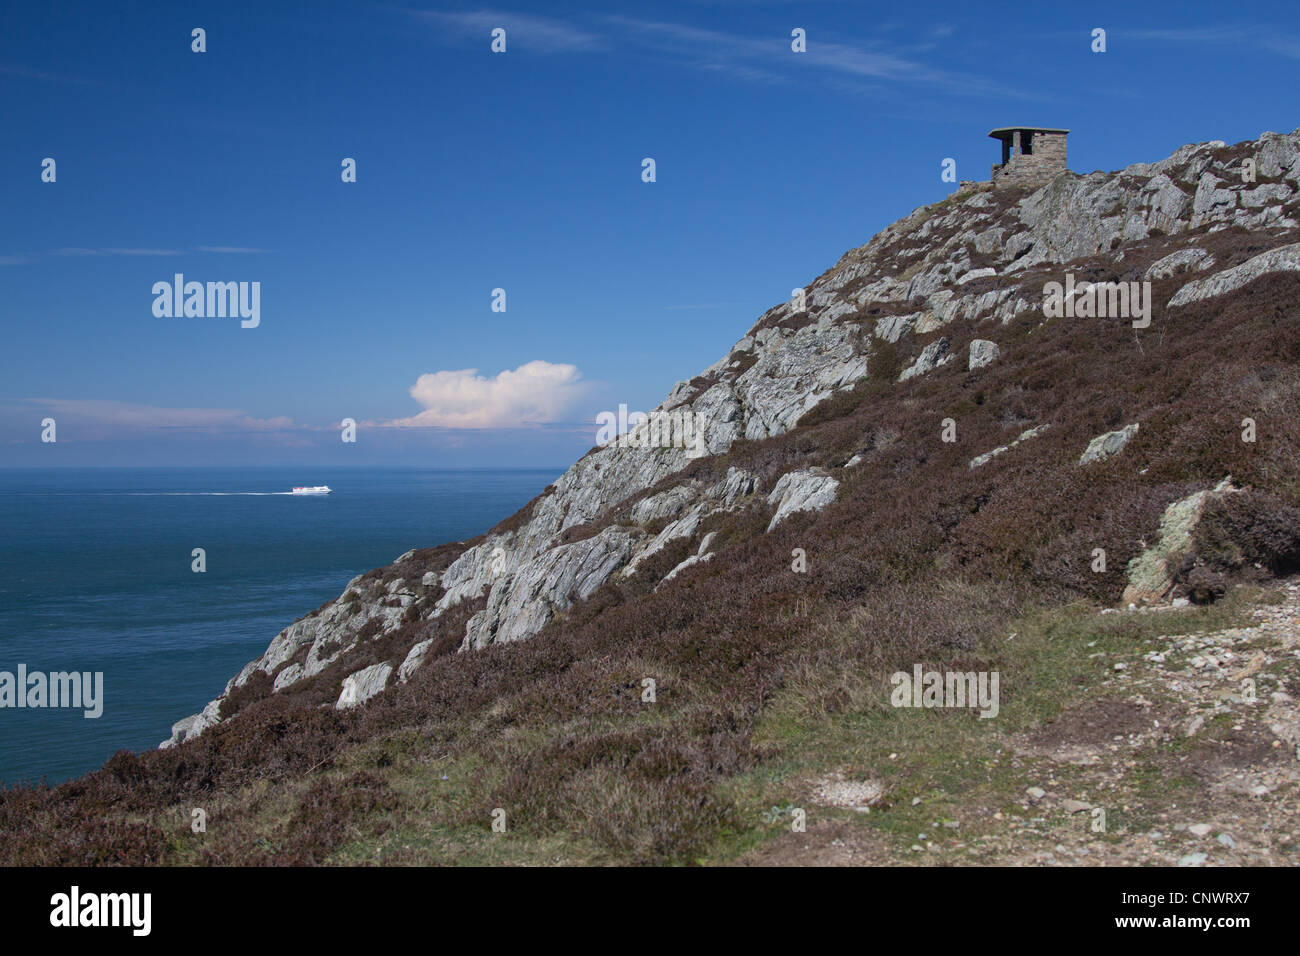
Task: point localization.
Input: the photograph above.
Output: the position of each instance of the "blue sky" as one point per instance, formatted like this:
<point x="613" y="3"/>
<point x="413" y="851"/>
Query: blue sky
<point x="520" y="171"/>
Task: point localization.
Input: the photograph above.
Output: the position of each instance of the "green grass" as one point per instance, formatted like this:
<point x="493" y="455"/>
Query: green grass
<point x="954" y="761"/>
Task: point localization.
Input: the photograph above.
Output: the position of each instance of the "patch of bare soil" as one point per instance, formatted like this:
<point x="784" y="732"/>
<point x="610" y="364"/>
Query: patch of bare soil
<point x="826" y="843"/>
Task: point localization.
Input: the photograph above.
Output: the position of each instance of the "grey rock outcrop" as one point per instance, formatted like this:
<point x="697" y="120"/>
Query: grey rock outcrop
<point x="1111" y="443"/>
<point x="893" y="327"/>
<point x="666" y="504"/>
<point x="414" y="658"/>
<point x="1151" y="573"/>
<point x="737" y="485"/>
<point x="1284" y="259"/>
<point x="801" y="491"/>
<point x="191" y="727"/>
<point x="982" y="353"/>
<point x="180" y="731"/>
<point x="1024" y="436"/>
<point x="289" y="675"/>
<point x="522" y="604"/>
<point x="701" y="556"/>
<point x="683" y="527"/>
<point x="932" y="356"/>
<point x="978" y="273"/>
<point x="1184" y="260"/>
<point x="364" y="684"/>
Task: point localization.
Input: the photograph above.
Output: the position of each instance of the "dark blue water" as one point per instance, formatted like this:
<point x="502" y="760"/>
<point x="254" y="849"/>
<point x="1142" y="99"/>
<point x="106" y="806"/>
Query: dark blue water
<point x="95" y="575"/>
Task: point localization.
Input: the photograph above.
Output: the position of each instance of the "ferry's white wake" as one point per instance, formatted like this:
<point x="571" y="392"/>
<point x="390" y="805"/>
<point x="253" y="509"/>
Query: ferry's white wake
<point x="158" y="494"/>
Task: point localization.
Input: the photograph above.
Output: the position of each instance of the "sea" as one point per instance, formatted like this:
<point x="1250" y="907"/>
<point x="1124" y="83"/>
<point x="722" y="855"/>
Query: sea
<point x="97" y="575"/>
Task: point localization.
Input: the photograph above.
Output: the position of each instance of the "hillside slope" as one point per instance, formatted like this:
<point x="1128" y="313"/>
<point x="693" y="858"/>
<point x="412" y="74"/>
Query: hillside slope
<point x="947" y="459"/>
<point x="981" y="255"/>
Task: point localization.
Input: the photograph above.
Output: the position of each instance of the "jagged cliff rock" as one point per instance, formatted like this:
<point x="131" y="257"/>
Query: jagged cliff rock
<point x="980" y="255"/>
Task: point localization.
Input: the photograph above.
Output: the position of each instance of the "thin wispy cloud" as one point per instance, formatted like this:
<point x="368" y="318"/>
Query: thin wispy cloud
<point x="523" y="31"/>
<point x="98" y="412"/>
<point x="869" y="60"/>
<point x="535" y="393"/>
<point x="743" y="57"/>
<point x="737" y="71"/>
<point x="1251" y="37"/>
<point x="84" y="252"/>
<point x="44" y="77"/>
<point x="1187" y="35"/>
<point x="77" y="251"/>
<point x="756" y="59"/>
<point x="1283" y="45"/>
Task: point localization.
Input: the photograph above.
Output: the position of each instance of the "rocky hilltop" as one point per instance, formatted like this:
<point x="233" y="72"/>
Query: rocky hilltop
<point x="1199" y="224"/>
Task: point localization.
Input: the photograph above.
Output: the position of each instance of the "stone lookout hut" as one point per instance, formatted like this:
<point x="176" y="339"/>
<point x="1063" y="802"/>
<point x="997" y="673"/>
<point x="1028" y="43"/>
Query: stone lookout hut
<point x="1031" y="155"/>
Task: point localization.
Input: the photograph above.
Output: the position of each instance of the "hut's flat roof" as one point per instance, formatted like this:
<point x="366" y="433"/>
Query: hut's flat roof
<point x="1004" y="130"/>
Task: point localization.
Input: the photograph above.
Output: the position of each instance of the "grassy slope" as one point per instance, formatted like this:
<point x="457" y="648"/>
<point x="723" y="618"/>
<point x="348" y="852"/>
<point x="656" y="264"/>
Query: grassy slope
<point x="968" y="781"/>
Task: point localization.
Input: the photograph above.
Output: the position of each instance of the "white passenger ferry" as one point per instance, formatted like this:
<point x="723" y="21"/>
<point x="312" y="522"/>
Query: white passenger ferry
<point x="312" y="490"/>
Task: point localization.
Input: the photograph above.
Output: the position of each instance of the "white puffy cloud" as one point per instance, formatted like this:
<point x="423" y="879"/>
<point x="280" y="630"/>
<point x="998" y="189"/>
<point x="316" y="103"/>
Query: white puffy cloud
<point x="536" y="392"/>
